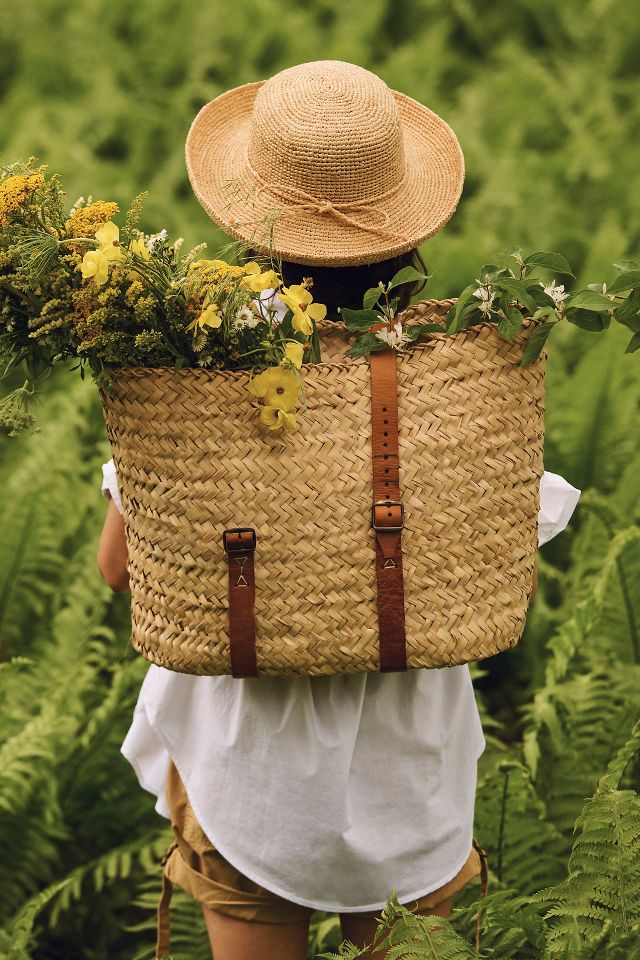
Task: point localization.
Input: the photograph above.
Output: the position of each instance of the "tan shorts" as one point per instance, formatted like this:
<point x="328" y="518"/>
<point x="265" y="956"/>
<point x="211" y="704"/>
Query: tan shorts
<point x="194" y="864"/>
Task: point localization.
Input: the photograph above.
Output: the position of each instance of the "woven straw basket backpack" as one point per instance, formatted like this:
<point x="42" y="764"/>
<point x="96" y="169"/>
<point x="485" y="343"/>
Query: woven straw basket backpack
<point x="397" y="528"/>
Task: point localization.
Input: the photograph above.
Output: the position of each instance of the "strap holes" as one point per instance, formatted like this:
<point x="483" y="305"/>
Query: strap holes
<point x="386" y="434"/>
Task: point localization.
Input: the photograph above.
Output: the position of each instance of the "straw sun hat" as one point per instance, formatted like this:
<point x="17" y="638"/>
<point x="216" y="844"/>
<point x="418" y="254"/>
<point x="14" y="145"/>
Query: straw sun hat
<point x="325" y="165"/>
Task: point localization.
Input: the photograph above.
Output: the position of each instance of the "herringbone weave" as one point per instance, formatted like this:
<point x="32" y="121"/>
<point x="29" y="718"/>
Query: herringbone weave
<point x="192" y="461"/>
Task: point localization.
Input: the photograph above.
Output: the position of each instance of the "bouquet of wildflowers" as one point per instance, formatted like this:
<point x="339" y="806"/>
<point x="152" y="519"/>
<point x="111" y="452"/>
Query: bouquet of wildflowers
<point x="75" y="285"/>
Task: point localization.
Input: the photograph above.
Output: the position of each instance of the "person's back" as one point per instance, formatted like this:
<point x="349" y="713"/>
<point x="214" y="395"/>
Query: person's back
<point x="291" y="795"/>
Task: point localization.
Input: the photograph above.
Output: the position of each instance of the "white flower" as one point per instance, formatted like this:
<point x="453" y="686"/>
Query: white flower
<point x="246" y="319"/>
<point x="178" y="244"/>
<point x="156" y="238"/>
<point x="268" y="306"/>
<point x="557" y="294"/>
<point x="395" y="338"/>
<point x="272" y="305"/>
<point x="486" y="298"/>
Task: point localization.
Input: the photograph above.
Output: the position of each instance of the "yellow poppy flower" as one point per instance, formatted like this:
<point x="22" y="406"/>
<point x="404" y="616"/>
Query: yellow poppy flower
<point x="139" y="247"/>
<point x="293" y="352"/>
<point x="109" y="239"/>
<point x="257" y="280"/>
<point x="276" y="419"/>
<point x="210" y="317"/>
<point x="277" y="386"/>
<point x="300" y="302"/>
<point x="95" y="264"/>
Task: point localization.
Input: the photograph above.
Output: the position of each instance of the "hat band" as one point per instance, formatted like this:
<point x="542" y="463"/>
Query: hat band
<point x="346" y="211"/>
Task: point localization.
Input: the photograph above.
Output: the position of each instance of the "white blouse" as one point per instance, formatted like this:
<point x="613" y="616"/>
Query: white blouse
<point x="329" y="791"/>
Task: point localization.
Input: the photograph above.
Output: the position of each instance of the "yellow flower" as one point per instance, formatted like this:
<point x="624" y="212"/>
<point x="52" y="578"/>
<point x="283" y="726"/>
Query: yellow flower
<point x="210" y="317"/>
<point x="300" y="302"/>
<point x="108" y="237"/>
<point x="293" y="352"/>
<point x="84" y="221"/>
<point x="139" y="247"/>
<point x="218" y="267"/>
<point x="95" y="264"/>
<point x="14" y="193"/>
<point x="277" y="386"/>
<point x="258" y="281"/>
<point x="276" y="419"/>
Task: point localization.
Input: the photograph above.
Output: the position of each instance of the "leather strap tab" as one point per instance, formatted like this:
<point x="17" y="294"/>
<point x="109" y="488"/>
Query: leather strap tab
<point x="239" y="544"/>
<point x="387" y="512"/>
<point x="163" y="930"/>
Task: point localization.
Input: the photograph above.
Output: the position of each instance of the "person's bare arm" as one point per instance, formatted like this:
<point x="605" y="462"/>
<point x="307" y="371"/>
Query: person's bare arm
<point x="112" y="550"/>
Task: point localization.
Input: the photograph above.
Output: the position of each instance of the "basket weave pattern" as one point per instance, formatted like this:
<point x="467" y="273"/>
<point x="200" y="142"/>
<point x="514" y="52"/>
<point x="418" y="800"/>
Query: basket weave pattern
<point x="192" y="463"/>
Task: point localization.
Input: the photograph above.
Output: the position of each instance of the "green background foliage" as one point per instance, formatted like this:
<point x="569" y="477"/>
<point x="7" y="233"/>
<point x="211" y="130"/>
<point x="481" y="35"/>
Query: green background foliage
<point x="543" y="97"/>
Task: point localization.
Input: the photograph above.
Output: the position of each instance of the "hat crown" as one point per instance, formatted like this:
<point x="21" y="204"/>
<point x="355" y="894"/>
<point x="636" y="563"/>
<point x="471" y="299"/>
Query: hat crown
<point x="330" y="129"/>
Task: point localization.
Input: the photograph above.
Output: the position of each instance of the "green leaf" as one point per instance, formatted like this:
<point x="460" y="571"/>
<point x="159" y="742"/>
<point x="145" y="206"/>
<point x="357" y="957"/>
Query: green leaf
<point x="489" y="272"/>
<point x="359" y="319"/>
<point x="455" y="317"/>
<point x="535" y="342"/>
<point x="625" y="281"/>
<point x="634" y="343"/>
<point x="406" y="275"/>
<point x="544" y="312"/>
<point x="517" y="291"/>
<point x="589" y="300"/>
<point x="537" y="294"/>
<point x="365" y="344"/>
<point x="550" y="261"/>
<point x="509" y="325"/>
<point x="627" y="265"/>
<point x="416" y="330"/>
<point x="629" y="308"/>
<point x="371" y="297"/>
<point x="588" y="319"/>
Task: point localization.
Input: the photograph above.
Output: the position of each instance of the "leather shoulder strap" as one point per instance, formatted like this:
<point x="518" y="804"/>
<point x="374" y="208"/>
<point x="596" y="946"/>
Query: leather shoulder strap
<point x="387" y="511"/>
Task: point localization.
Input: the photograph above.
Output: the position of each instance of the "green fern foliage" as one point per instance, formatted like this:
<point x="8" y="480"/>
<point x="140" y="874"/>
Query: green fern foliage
<point x="557" y="810"/>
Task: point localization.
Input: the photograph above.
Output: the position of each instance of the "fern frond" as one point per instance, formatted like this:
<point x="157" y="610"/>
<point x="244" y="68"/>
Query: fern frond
<point x="602" y="888"/>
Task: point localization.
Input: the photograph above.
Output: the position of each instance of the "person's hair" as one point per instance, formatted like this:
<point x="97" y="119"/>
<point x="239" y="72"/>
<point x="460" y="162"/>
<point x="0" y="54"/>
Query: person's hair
<point x="345" y="286"/>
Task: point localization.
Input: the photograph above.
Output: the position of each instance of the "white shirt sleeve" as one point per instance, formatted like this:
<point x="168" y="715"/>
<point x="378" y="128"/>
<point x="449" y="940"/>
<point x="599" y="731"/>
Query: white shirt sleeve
<point x="110" y="483"/>
<point x="558" y="499"/>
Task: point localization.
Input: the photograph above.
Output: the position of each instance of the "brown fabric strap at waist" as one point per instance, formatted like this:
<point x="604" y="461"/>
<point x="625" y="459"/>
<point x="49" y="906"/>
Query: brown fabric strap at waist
<point x="484" y="887"/>
<point x="163" y="930"/>
<point x="387" y="511"/>
<point x="239" y="544"/>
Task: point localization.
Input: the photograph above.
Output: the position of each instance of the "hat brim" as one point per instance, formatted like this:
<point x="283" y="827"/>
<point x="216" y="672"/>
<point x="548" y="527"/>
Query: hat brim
<point x="215" y="153"/>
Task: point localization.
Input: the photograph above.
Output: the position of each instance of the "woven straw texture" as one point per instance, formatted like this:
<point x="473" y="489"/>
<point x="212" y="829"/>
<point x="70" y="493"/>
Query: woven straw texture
<point x="344" y="169"/>
<point x="192" y="462"/>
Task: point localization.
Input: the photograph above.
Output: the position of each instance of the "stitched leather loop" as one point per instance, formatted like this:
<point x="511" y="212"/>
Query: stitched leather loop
<point x="387" y="512"/>
<point x="240" y="544"/>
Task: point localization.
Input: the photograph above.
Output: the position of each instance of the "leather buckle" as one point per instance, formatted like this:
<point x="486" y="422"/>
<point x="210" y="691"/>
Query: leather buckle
<point x="384" y="526"/>
<point x="240" y="544"/>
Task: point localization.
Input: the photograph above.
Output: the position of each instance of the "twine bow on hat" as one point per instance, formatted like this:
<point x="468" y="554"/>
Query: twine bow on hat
<point x="346" y="211"/>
